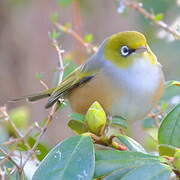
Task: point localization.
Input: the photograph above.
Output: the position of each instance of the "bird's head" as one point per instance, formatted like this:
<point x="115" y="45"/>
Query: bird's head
<point x="123" y="48"/>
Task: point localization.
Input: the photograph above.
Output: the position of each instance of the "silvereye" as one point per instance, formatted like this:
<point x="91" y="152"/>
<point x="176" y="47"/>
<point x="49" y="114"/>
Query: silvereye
<point x="124" y="76"/>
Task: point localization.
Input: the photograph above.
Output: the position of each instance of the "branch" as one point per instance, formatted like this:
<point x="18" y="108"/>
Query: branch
<point x="75" y="35"/>
<point x="8" y="156"/>
<point x="3" y="110"/>
<point x="53" y="109"/>
<point x="2" y="174"/>
<point x="43" y="130"/>
<point x="138" y="7"/>
<point x="60" y="60"/>
<point x="44" y="84"/>
<point x="17" y="140"/>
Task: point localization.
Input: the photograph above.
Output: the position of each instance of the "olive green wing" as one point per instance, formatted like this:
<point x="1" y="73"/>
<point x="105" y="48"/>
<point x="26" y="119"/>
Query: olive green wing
<point x="74" y="80"/>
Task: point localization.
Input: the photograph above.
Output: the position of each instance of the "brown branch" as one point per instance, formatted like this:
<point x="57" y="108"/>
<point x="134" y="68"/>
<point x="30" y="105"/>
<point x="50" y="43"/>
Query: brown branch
<point x="75" y="35"/>
<point x="138" y="7"/>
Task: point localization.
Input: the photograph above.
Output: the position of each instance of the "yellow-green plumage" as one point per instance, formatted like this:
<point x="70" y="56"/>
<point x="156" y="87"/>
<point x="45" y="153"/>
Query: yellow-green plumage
<point x="132" y="39"/>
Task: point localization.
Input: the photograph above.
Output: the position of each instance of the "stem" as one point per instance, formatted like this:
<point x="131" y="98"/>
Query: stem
<point x="138" y="7"/>
<point x="8" y="156"/>
<point x="16" y="130"/>
<point x="53" y="109"/>
<point x="75" y="35"/>
<point x="60" y="60"/>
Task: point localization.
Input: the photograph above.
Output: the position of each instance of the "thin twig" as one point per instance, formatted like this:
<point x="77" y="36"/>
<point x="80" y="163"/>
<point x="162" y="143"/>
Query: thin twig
<point x="76" y="36"/>
<point x="53" y="109"/>
<point x="16" y="130"/>
<point x="138" y="7"/>
<point x="6" y="117"/>
<point x="2" y="174"/>
<point x="60" y="60"/>
<point x="8" y="156"/>
<point x="44" y="84"/>
<point x="50" y="118"/>
<point x="17" y="140"/>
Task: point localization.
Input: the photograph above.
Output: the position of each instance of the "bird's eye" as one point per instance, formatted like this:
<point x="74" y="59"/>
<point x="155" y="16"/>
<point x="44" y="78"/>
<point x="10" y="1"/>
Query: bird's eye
<point x="125" y="51"/>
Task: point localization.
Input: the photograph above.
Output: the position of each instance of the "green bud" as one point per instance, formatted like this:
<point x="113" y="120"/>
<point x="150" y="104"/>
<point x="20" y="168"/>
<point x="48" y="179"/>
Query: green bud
<point x="95" y="118"/>
<point x="176" y="161"/>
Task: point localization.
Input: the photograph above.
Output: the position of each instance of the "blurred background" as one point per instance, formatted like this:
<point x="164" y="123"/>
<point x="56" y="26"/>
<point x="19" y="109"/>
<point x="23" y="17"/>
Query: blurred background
<point x="26" y="52"/>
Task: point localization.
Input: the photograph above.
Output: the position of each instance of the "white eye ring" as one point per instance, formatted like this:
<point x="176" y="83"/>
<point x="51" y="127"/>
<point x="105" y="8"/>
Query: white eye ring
<point x="124" y="51"/>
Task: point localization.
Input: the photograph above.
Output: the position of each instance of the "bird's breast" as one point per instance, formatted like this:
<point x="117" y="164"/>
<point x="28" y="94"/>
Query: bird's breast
<point x="140" y="88"/>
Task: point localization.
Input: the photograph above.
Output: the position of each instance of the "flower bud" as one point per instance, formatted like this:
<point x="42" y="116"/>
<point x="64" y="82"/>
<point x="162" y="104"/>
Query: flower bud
<point x="95" y="118"/>
<point x="176" y="161"/>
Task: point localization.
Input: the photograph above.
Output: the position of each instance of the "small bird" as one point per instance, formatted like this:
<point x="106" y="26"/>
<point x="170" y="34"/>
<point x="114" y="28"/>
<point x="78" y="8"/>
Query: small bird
<point x="124" y="76"/>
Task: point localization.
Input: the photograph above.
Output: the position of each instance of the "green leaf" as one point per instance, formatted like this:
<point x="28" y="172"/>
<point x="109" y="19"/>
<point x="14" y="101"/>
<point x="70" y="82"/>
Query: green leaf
<point x="130" y="143"/>
<point x="167" y="150"/>
<point x="54" y="34"/>
<point x="77" y="123"/>
<point x="77" y="126"/>
<point x="108" y="161"/>
<point x="77" y="117"/>
<point x="119" y="121"/>
<point x="65" y="2"/>
<point x="38" y="76"/>
<point x="71" y="159"/>
<point x="42" y="149"/>
<point x="150" y="141"/>
<point x="154" y="171"/>
<point x="116" y="175"/>
<point x="164" y="106"/>
<point x="170" y="128"/>
<point x="88" y="38"/>
<point x="159" y="17"/>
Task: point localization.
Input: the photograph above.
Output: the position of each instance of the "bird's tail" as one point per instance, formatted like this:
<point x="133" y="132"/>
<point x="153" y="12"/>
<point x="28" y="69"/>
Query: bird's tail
<point x="35" y="97"/>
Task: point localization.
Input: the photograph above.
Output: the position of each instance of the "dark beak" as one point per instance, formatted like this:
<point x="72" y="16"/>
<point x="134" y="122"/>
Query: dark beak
<point x="141" y="49"/>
